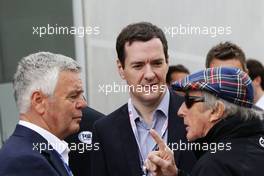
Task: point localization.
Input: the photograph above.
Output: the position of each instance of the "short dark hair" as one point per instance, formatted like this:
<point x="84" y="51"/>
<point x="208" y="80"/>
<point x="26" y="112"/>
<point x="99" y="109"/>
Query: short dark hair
<point x="175" y="68"/>
<point x="142" y="31"/>
<point x="226" y="51"/>
<point x="255" y="69"/>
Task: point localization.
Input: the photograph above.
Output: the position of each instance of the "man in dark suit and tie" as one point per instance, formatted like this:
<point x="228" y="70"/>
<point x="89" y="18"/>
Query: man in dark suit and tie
<point x="48" y="92"/>
<point x="124" y="135"/>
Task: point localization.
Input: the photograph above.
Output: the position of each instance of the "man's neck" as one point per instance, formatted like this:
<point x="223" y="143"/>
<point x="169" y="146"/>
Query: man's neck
<point x="146" y="109"/>
<point x="37" y="120"/>
<point x="259" y="94"/>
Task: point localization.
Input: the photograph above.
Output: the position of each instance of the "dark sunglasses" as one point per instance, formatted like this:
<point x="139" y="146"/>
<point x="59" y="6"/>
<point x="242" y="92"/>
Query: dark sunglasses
<point x="190" y="100"/>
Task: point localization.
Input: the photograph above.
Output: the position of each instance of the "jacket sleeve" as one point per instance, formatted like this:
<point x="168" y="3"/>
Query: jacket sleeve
<point x="211" y="167"/>
<point x="27" y="165"/>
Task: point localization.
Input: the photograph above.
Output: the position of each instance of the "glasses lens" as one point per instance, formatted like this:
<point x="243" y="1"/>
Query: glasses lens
<point x="190" y="100"/>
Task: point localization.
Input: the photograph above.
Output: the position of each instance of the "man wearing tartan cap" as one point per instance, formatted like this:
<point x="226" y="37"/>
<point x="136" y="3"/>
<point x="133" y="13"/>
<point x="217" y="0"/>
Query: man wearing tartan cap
<point x="218" y="113"/>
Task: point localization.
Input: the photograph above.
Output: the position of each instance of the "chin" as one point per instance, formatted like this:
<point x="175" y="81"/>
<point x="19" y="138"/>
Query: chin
<point x="190" y="137"/>
<point x="152" y="96"/>
<point x="75" y="128"/>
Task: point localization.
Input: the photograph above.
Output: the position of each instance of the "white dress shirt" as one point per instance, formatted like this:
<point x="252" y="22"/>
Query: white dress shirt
<point x="260" y="102"/>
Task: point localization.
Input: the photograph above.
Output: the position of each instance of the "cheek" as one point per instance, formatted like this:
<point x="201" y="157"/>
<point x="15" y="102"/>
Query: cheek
<point x="161" y="75"/>
<point x="71" y="110"/>
<point x="134" y="78"/>
<point x="65" y="111"/>
<point x="196" y="127"/>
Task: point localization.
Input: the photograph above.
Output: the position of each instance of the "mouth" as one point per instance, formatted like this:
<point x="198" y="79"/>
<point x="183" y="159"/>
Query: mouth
<point x="77" y="118"/>
<point x="150" y="87"/>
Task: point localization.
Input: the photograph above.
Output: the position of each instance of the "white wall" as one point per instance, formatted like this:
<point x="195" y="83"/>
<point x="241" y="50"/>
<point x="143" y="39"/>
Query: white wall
<point x="245" y="18"/>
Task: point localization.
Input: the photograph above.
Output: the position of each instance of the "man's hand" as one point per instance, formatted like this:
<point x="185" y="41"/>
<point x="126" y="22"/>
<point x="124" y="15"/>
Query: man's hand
<point x="161" y="162"/>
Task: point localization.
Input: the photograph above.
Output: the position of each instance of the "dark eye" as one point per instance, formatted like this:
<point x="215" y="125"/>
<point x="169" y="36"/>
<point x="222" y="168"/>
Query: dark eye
<point x="74" y="96"/>
<point x="157" y="64"/>
<point x="137" y="66"/>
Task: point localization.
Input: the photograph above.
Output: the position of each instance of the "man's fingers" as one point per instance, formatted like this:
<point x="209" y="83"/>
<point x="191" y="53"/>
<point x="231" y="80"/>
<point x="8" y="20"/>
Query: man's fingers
<point x="156" y="160"/>
<point x="158" y="140"/>
<point x="164" y="151"/>
<point x="160" y="166"/>
<point x="158" y="153"/>
<point x="150" y="166"/>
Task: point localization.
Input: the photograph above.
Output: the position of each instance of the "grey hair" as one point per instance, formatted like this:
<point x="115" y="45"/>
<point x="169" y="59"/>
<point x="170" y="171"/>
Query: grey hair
<point x="232" y="109"/>
<point x="39" y="71"/>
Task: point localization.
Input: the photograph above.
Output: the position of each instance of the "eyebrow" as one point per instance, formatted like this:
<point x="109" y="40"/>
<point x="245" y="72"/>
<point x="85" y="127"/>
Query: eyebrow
<point x="142" y="62"/>
<point x="76" y="92"/>
<point x="137" y="62"/>
<point x="157" y="60"/>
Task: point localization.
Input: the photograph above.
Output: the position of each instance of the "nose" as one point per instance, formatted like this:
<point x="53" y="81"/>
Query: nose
<point x="81" y="103"/>
<point x="149" y="75"/>
<point x="182" y="111"/>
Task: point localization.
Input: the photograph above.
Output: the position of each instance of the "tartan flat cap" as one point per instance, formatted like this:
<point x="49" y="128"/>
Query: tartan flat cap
<point x="230" y="84"/>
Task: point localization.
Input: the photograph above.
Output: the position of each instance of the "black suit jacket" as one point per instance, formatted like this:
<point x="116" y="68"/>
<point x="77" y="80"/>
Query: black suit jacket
<point x="80" y="154"/>
<point x="118" y="153"/>
<point x="27" y="153"/>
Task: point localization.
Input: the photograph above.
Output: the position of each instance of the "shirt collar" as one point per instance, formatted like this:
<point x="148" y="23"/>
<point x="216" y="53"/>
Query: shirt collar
<point x="59" y="145"/>
<point x="163" y="106"/>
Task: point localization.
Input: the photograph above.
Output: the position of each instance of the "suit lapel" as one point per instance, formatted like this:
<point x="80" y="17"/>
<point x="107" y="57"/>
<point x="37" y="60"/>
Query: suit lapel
<point x="54" y="159"/>
<point x="37" y="140"/>
<point x="128" y="141"/>
<point x="175" y="123"/>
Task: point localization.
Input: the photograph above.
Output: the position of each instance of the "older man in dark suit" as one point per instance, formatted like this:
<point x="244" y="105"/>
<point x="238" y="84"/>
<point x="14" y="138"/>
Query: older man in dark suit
<point x="48" y="92"/>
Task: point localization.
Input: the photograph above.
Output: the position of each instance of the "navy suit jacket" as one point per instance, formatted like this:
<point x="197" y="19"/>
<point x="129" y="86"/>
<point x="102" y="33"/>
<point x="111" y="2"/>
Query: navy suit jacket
<point x="22" y="155"/>
<point x="118" y="153"/>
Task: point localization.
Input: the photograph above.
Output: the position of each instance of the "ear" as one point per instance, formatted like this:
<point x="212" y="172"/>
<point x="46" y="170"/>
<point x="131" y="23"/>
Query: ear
<point x="257" y="81"/>
<point x="120" y="69"/>
<point x="38" y="102"/>
<point x="218" y="112"/>
<point x="167" y="61"/>
<point x="167" y="66"/>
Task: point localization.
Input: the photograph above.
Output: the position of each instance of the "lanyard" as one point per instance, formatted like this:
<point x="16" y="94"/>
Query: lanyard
<point x="135" y="131"/>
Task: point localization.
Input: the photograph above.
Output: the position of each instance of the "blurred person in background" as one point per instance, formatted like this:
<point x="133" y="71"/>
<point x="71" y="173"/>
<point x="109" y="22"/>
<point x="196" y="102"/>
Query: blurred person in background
<point x="81" y="143"/>
<point x="176" y="73"/>
<point x="256" y="73"/>
<point x="226" y="54"/>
